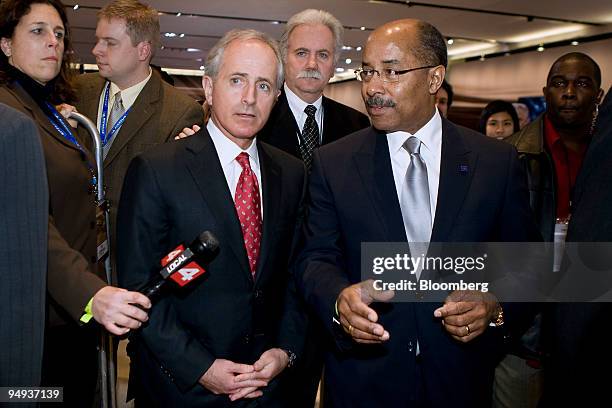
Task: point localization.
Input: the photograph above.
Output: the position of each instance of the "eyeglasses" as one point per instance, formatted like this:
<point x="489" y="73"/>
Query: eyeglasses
<point x="387" y="75"/>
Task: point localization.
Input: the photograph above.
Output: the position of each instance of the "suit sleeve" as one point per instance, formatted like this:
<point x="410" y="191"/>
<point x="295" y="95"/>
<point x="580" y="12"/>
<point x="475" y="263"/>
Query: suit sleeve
<point x="320" y="266"/>
<point x="518" y="225"/>
<point x="193" y="114"/>
<point x="295" y="320"/>
<point x="143" y="229"/>
<point x="70" y="281"/>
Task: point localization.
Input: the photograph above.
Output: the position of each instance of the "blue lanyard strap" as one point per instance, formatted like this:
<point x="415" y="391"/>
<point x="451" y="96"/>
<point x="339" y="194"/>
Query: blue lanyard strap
<point x="103" y="135"/>
<point x="58" y="122"/>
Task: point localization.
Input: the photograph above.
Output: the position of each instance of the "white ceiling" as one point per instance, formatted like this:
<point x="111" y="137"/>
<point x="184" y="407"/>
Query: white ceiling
<point x="475" y="33"/>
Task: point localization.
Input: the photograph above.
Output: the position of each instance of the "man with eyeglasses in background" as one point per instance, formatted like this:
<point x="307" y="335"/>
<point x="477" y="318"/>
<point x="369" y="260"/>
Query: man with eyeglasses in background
<point x="413" y="176"/>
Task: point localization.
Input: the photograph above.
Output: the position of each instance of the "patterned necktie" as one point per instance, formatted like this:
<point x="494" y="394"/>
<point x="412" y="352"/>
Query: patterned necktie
<point x="310" y="136"/>
<point x="248" y="207"/>
<point x="115" y="114"/>
<point x="414" y="201"/>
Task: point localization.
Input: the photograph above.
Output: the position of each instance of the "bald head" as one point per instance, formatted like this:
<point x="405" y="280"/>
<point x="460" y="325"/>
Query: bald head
<point x="577" y="57"/>
<point x="423" y="40"/>
<point x="404" y="63"/>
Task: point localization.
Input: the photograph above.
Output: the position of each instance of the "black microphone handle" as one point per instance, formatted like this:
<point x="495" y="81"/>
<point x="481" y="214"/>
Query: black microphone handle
<point x="151" y="290"/>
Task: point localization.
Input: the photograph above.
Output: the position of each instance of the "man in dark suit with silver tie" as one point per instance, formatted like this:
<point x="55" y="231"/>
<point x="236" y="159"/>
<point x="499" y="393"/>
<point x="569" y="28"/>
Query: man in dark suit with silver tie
<point x="413" y="176"/>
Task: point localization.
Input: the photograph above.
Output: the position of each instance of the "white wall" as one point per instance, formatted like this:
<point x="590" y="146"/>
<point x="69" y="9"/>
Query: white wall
<point x="522" y="74"/>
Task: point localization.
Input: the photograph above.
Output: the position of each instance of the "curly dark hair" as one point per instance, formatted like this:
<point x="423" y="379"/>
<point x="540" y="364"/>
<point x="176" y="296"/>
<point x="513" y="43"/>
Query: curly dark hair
<point x="11" y="12"/>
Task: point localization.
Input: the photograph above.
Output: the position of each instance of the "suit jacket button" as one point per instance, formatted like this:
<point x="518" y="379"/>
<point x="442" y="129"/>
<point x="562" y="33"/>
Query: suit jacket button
<point x="247" y="339"/>
<point x="258" y="294"/>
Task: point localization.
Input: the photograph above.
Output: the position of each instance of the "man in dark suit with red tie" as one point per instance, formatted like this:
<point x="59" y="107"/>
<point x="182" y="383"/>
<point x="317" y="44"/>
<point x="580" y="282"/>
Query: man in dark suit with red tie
<point x="414" y="177"/>
<point x="230" y="336"/>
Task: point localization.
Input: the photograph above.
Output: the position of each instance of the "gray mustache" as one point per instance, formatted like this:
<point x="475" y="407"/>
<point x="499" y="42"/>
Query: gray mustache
<point x="380" y="102"/>
<point x="310" y="73"/>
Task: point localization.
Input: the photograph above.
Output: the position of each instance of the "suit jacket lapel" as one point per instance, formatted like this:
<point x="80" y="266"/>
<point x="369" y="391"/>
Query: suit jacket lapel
<point x="285" y="129"/>
<point x="456" y="170"/>
<point x="329" y="126"/>
<point x="374" y="167"/>
<point x="271" y="201"/>
<point x="207" y="174"/>
<point x="140" y="113"/>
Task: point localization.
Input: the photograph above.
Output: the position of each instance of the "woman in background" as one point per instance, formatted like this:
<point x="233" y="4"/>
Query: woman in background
<point x="34" y="77"/>
<point x="498" y="120"/>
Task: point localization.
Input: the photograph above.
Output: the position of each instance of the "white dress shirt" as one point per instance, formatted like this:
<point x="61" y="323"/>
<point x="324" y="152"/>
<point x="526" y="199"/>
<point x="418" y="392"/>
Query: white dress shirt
<point x="128" y="97"/>
<point x="430" y="136"/>
<point x="297" y="107"/>
<point x="227" y="151"/>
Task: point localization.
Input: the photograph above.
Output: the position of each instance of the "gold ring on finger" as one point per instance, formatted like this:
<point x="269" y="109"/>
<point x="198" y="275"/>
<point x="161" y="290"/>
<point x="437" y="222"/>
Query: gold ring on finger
<point x="467" y="330"/>
<point x="350" y="328"/>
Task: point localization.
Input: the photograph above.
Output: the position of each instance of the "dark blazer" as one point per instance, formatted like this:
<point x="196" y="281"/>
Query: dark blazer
<point x="171" y="194"/>
<point x="71" y="280"/>
<point x="281" y="129"/>
<point x="159" y="113"/>
<point x="577" y="335"/>
<point x="353" y="200"/>
<point x="24" y="200"/>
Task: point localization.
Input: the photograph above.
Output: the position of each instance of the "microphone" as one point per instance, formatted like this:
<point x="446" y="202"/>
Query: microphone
<point x="179" y="265"/>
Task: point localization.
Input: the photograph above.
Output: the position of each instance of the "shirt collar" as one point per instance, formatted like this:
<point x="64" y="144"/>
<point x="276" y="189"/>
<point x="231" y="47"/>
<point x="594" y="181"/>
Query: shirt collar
<point x="228" y="150"/>
<point x="129" y="95"/>
<point x="430" y="135"/>
<point x="297" y="105"/>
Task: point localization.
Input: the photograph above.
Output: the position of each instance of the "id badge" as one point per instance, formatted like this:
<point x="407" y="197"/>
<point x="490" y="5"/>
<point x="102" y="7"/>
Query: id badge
<point x="102" y="237"/>
<point x="560" y="234"/>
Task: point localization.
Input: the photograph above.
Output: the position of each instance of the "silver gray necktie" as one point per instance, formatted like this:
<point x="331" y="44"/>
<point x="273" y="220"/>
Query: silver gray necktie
<point x="414" y="201"/>
<point x="115" y="114"/>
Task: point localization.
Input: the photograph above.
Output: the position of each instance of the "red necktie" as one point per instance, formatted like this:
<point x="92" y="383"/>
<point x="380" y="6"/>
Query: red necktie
<point x="248" y="206"/>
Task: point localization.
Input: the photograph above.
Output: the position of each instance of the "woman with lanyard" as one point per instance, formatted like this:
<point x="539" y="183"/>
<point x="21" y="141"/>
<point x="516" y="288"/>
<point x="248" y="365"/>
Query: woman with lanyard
<point x="34" y="77"/>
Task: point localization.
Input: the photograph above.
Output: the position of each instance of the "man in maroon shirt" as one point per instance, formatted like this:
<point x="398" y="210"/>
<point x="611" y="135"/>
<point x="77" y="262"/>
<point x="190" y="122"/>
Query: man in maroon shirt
<point x="552" y="148"/>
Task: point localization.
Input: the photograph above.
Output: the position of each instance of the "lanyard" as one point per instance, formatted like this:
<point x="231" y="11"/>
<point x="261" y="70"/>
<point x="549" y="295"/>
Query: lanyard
<point x="103" y="135"/>
<point x="60" y="125"/>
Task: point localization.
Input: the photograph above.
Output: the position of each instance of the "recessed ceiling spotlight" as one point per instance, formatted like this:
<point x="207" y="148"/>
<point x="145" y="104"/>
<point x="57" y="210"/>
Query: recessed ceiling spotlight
<point x="575" y="43"/>
<point x="339" y="69"/>
<point x="193" y="49"/>
<point x="362" y="28"/>
<point x="170" y="35"/>
<point x="179" y="14"/>
<point x="450" y="41"/>
<point x="275" y="22"/>
<point x="358" y="48"/>
<point x="76" y="7"/>
<point x="540" y="48"/>
<point x="202" y="67"/>
<point x="482" y="57"/>
<point x="347" y="47"/>
<point x="181" y="35"/>
<point x="348" y="61"/>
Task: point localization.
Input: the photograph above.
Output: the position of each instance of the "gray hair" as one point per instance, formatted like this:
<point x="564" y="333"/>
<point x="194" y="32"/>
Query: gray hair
<point x="312" y="16"/>
<point x="215" y="56"/>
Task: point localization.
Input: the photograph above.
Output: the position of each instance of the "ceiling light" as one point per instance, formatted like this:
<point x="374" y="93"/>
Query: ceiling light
<point x="170" y="35"/>
<point x="339" y="69"/>
<point x="181" y="35"/>
<point x="347" y="47"/>
<point x="76" y="7"/>
<point x="179" y="14"/>
<point x="348" y="61"/>
<point x="193" y="50"/>
<point x="450" y="41"/>
<point x="202" y="67"/>
<point x="362" y="28"/>
<point x="482" y="57"/>
<point x="358" y="48"/>
<point x="540" y="48"/>
<point x="575" y="42"/>
<point x="275" y="22"/>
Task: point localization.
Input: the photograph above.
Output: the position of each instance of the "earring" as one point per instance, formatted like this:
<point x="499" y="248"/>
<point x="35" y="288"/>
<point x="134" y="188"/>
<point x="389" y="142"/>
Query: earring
<point x="594" y="121"/>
